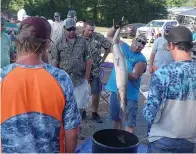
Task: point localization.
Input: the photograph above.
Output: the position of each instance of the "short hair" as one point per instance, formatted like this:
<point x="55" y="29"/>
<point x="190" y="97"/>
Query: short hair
<point x="25" y="42"/>
<point x="185" y="46"/>
<point x="142" y="36"/>
<point x="90" y="23"/>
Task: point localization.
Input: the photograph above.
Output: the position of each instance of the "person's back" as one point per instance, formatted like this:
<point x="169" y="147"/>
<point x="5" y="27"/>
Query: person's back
<point x="39" y="110"/>
<point x="179" y="101"/>
<point x="171" y="104"/>
<point x="33" y="116"/>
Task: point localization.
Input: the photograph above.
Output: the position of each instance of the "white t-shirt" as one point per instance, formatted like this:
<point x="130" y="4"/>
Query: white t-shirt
<point x="57" y="31"/>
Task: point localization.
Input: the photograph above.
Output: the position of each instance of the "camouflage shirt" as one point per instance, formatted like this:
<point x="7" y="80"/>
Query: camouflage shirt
<point x="95" y="43"/>
<point x="71" y="57"/>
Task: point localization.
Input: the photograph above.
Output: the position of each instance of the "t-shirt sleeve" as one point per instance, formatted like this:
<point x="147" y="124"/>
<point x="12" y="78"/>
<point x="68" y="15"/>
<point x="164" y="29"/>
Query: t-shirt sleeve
<point x="156" y="96"/>
<point x="71" y="115"/>
<point x="105" y="43"/>
<point x="155" y="46"/>
<point x="55" y="53"/>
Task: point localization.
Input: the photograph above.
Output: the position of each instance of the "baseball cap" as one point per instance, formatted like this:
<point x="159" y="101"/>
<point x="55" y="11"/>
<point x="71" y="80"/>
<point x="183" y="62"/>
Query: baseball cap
<point x="42" y="27"/>
<point x="57" y="14"/>
<point x="69" y="22"/>
<point x="179" y="34"/>
<point x="71" y="13"/>
<point x="14" y="16"/>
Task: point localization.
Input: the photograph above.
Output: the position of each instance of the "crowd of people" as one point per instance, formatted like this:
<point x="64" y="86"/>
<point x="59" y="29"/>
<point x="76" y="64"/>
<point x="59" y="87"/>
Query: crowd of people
<point x="45" y="78"/>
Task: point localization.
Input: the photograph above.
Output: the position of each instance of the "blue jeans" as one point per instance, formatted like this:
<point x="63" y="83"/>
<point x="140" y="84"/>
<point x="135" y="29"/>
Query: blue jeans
<point x="171" y="145"/>
<point x="114" y="108"/>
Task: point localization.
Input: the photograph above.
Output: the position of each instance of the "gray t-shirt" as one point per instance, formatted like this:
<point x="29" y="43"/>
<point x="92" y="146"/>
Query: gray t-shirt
<point x="163" y="56"/>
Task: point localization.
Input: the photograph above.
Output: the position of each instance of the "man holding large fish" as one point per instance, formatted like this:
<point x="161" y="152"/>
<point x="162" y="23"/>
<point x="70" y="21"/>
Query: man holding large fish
<point x="124" y="81"/>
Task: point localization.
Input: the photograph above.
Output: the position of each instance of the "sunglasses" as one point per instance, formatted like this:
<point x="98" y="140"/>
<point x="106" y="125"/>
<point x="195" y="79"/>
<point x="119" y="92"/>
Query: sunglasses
<point x="141" y="41"/>
<point x="56" y="16"/>
<point x="71" y="29"/>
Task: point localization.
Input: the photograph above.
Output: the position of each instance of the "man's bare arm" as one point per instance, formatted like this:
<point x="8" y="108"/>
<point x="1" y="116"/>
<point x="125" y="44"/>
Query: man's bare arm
<point x="88" y="69"/>
<point x="107" y="51"/>
<point x="152" y="56"/>
<point x="71" y="139"/>
<point x="138" y="70"/>
<point x="111" y="34"/>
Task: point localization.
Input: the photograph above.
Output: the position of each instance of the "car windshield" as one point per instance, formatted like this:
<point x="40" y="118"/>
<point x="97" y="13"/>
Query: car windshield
<point x="155" y="24"/>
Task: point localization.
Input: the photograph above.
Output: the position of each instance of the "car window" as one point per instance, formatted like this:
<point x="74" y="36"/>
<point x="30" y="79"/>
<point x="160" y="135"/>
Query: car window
<point x="167" y="23"/>
<point x="173" y="23"/>
<point x="155" y="24"/>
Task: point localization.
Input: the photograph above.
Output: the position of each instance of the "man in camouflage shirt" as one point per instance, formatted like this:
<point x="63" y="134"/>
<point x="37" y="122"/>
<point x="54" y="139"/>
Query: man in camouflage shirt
<point x="96" y="42"/>
<point x="71" y="54"/>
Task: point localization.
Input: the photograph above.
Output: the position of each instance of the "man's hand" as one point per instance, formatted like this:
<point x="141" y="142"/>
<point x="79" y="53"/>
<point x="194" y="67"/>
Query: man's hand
<point x="150" y="69"/>
<point x="119" y="24"/>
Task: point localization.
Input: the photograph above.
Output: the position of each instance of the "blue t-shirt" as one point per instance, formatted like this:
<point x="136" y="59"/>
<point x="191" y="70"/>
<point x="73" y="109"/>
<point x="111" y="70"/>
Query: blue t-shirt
<point x="133" y="86"/>
<point x="194" y="36"/>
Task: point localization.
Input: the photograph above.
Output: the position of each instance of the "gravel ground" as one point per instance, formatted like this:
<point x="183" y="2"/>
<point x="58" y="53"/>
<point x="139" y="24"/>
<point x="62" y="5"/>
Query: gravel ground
<point x="89" y="127"/>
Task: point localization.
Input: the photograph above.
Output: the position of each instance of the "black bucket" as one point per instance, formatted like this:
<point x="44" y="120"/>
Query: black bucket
<point x="114" y="141"/>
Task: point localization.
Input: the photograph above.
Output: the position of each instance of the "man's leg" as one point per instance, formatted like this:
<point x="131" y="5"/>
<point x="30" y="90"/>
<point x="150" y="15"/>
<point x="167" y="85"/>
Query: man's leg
<point x="132" y="107"/>
<point x="95" y="91"/>
<point x="114" y="111"/>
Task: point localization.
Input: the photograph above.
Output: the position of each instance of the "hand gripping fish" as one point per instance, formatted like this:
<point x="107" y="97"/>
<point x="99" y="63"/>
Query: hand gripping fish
<point x="121" y="70"/>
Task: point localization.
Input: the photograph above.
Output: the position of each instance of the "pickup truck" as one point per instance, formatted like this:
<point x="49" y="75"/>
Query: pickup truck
<point x="160" y="24"/>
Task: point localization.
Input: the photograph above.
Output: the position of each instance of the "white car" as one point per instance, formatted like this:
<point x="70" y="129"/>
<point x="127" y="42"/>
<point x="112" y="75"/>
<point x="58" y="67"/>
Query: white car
<point x="160" y="24"/>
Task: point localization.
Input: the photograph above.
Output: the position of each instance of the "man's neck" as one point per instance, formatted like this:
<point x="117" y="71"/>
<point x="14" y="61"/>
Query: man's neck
<point x="70" y="40"/>
<point x="182" y="56"/>
<point x="58" y="21"/>
<point x="29" y="59"/>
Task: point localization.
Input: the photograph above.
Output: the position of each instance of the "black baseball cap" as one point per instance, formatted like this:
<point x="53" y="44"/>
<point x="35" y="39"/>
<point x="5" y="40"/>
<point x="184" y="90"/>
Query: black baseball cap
<point x="179" y="34"/>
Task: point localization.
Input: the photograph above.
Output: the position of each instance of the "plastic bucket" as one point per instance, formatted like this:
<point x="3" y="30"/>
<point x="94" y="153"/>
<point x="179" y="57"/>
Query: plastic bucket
<point x="114" y="141"/>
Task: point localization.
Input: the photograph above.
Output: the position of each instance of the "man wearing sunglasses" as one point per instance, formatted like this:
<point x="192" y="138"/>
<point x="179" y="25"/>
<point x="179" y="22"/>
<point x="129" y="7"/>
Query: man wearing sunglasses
<point x="71" y="54"/>
<point x="171" y="103"/>
<point x="160" y="55"/>
<point x="136" y="63"/>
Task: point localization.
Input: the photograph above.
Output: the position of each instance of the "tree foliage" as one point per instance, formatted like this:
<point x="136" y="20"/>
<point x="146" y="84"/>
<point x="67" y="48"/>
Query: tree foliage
<point x="102" y="11"/>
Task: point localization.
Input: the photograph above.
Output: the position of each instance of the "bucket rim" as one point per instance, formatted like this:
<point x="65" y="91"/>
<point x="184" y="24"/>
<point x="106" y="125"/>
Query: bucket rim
<point x="116" y="148"/>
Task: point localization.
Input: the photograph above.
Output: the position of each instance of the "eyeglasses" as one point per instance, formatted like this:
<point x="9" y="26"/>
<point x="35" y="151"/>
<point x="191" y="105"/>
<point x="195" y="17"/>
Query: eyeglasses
<point x="56" y="16"/>
<point x="71" y="29"/>
<point x="141" y="41"/>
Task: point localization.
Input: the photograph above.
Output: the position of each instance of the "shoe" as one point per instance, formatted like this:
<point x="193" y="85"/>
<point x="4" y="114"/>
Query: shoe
<point x="95" y="116"/>
<point x="83" y="115"/>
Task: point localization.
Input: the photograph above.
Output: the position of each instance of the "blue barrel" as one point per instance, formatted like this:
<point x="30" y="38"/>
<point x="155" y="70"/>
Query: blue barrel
<point x="114" y="141"/>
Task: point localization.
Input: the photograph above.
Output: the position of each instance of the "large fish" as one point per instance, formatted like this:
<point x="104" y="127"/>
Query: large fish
<point x="121" y="70"/>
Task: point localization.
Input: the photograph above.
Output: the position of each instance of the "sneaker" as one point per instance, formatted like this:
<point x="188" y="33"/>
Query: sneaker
<point x="95" y="116"/>
<point x="83" y="115"/>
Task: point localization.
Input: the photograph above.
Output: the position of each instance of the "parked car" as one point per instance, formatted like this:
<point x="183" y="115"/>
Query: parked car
<point x="160" y="24"/>
<point x="130" y="30"/>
